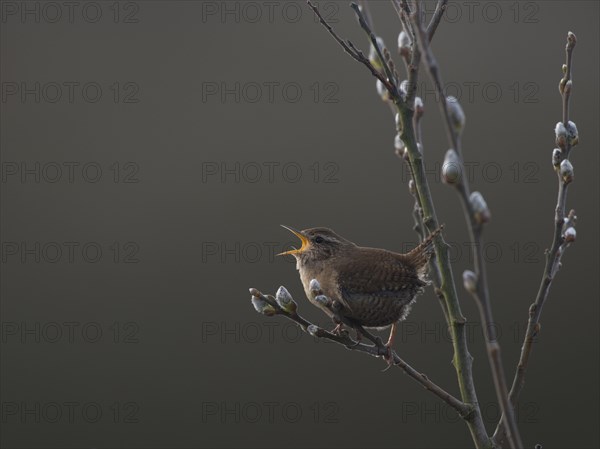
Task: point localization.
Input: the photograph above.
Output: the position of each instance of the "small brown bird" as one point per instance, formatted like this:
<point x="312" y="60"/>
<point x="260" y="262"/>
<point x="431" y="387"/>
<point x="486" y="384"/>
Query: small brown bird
<point x="372" y="288"/>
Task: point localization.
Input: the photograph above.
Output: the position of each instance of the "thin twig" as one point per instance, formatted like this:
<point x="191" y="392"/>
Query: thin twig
<point x="440" y="9"/>
<point x="349" y="47"/>
<point x="554" y="255"/>
<point x="377" y="350"/>
<point x="364" y="5"/>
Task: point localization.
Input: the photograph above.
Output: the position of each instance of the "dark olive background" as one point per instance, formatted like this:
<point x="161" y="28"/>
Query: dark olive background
<point x="196" y="342"/>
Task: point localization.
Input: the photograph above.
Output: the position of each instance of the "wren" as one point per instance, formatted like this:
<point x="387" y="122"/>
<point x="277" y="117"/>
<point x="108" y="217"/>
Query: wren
<point x="370" y="287"/>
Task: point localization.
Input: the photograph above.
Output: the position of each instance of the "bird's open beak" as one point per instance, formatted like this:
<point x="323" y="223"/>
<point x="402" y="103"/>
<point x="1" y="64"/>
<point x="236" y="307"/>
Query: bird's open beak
<point x="301" y="237"/>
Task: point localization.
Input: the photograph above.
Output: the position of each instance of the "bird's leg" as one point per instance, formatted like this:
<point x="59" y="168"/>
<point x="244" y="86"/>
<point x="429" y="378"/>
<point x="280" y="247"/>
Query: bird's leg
<point x="389" y="357"/>
<point x="337" y="318"/>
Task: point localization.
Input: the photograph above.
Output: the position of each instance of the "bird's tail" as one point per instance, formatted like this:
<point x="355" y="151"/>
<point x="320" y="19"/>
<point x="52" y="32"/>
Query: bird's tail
<point x="420" y="255"/>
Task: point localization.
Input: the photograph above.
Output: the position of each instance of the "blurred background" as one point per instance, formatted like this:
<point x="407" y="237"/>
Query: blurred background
<point x="151" y="149"/>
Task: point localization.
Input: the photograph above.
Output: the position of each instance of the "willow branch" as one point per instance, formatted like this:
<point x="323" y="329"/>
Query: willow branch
<point x="564" y="232"/>
<point x="270" y="307"/>
<point x="481" y="291"/>
<point x="457" y="323"/>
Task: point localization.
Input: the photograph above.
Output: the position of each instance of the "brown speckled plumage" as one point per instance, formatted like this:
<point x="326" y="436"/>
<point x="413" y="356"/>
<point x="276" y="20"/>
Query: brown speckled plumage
<point x="375" y="287"/>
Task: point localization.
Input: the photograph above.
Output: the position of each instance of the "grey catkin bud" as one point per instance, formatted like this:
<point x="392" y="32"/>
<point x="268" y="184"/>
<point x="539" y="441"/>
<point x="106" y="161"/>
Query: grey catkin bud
<point x="572" y="134"/>
<point x="399" y="146"/>
<point x="315" y="287"/>
<point x="404" y="87"/>
<point x="323" y="300"/>
<point x="480" y="208"/>
<point x="556" y="157"/>
<point x="313" y="330"/>
<point x="456" y="114"/>
<point x="382" y="90"/>
<point x="263" y="306"/>
<point x="570" y="235"/>
<point x="566" y="171"/>
<point x="419" y="107"/>
<point x="561" y="135"/>
<point x="451" y="168"/>
<point x="374" y="58"/>
<point x="285" y="300"/>
<point x="404" y="44"/>
<point x="411" y="187"/>
<point x="470" y="281"/>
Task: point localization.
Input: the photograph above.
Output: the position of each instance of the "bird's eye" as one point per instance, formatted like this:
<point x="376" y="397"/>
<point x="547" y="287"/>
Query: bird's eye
<point x="319" y="239"/>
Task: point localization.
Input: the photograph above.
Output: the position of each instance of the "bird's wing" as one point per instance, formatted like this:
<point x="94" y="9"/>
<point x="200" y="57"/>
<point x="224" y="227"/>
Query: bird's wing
<point x="389" y="276"/>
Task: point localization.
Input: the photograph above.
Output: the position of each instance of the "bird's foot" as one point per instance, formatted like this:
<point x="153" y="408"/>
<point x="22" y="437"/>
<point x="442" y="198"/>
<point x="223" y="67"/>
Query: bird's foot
<point x="358" y="340"/>
<point x="388" y="356"/>
<point x="337" y="330"/>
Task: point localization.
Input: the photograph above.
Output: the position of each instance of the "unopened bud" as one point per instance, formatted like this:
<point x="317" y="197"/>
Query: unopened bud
<point x="404" y="87"/>
<point x="451" y="168"/>
<point x="566" y="171"/>
<point x="323" y="301"/>
<point x="561" y="135"/>
<point x="374" y="58"/>
<point x="456" y="114"/>
<point x="568" y="87"/>
<point x="313" y="330"/>
<point x="398" y="120"/>
<point x="556" y="157"/>
<point x="570" y="235"/>
<point x="382" y="90"/>
<point x="411" y="187"/>
<point x="564" y="68"/>
<point x="572" y="134"/>
<point x="481" y="211"/>
<point x="263" y="306"/>
<point x="470" y="281"/>
<point x="285" y="300"/>
<point x="419" y="108"/>
<point x="399" y="146"/>
<point x="315" y="287"/>
<point x="561" y="85"/>
<point x="404" y="44"/>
